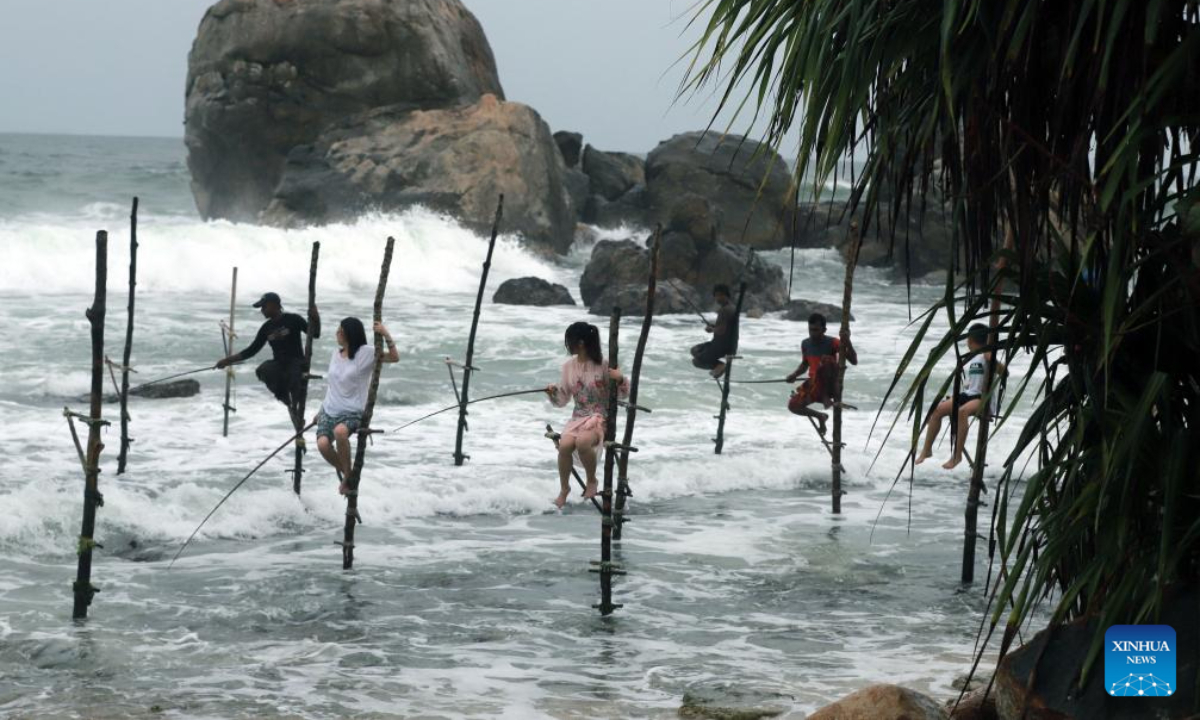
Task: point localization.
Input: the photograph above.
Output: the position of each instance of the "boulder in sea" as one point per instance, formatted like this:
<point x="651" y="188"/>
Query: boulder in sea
<point x="570" y="144"/>
<point x="748" y="182"/>
<point x="612" y="173"/>
<point x="882" y="702"/>
<point x="456" y="160"/>
<point x="532" y="291"/>
<point x="267" y="77"/>
<point x="629" y="210"/>
<point x="161" y="391"/>
<point x="799" y="310"/>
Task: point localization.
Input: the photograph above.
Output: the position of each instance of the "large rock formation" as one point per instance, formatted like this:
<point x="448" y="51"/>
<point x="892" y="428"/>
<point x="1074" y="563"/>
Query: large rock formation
<point x="265" y="77"/>
<point x="746" y="180"/>
<point x="690" y="253"/>
<point x="456" y="160"/>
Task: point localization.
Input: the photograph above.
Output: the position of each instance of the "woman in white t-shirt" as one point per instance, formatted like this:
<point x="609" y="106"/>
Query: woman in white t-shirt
<point x="346" y="385"/>
<point x="969" y="401"/>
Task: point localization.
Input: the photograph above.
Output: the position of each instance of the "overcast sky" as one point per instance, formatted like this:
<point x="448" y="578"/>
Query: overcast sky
<point x="600" y="67"/>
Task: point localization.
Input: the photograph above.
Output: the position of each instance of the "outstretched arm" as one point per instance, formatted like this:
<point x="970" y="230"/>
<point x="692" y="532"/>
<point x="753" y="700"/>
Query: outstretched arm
<point x="259" y="340"/>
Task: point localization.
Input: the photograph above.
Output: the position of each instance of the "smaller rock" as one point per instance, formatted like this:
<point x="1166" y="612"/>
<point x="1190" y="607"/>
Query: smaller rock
<point x="570" y="144"/>
<point x="627" y="210"/>
<point x="578" y="186"/>
<point x="733" y="703"/>
<point x="532" y="291"/>
<point x="799" y="310"/>
<point x="162" y="391"/>
<point x="613" y="173"/>
<point x="975" y="705"/>
<point x="882" y="702"/>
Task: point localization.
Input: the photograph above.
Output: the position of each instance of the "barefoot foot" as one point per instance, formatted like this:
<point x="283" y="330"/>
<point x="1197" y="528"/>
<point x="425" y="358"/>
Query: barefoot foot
<point x="591" y="489"/>
<point x="718" y="371"/>
<point x="821" y="418"/>
<point x="561" y="499"/>
<point x="343" y="488"/>
<point x="952" y="463"/>
<point x="923" y="457"/>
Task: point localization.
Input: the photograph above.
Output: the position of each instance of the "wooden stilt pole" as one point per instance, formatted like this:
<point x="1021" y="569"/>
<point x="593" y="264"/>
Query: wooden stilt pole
<point x="468" y="368"/>
<point x="306" y="370"/>
<point x="719" y="440"/>
<point x="123" y="456"/>
<point x="606" y="567"/>
<point x="91" y="494"/>
<point x="836" y="449"/>
<point x="635" y="373"/>
<point x="230" y="336"/>
<point x="364" y="429"/>
<point x="971" y="524"/>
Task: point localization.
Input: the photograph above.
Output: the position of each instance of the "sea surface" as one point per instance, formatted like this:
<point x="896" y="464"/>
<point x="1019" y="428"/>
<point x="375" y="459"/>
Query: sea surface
<point x="470" y="596"/>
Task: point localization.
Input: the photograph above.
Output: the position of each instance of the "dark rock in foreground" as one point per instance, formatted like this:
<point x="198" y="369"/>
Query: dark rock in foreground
<point x="174" y="389"/>
<point x="1059" y="654"/>
<point x="457" y="160"/>
<point x="532" y="291"/>
<point x="725" y="702"/>
<point x="799" y="310"/>
<point x="267" y="77"/>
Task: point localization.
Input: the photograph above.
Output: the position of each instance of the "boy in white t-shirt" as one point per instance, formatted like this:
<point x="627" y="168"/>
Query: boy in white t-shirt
<point x="969" y="401"/>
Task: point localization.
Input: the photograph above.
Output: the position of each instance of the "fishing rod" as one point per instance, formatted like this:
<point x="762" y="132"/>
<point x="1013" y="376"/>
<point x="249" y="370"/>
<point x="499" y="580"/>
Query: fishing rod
<point x="759" y="382"/>
<point x="688" y="300"/>
<point x="176" y="377"/>
<point x="235" y="487"/>
<point x="471" y="402"/>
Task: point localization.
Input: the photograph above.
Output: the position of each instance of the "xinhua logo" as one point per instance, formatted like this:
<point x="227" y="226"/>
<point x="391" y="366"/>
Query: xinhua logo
<point x="1139" y="660"/>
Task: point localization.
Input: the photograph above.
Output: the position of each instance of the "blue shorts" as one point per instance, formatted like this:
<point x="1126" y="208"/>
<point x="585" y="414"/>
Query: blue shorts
<point x="326" y="423"/>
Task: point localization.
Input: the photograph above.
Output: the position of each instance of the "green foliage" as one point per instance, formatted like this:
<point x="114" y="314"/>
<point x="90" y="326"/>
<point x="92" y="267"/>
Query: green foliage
<point x="1074" y="127"/>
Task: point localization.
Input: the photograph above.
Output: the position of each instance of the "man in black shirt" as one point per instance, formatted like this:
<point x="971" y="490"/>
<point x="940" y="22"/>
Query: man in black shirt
<point x="711" y="355"/>
<point x="283" y="373"/>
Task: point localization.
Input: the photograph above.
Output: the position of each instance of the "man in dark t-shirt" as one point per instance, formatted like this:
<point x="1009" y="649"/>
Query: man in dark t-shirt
<point x="711" y="355"/>
<point x="283" y="374"/>
<point x="820" y="358"/>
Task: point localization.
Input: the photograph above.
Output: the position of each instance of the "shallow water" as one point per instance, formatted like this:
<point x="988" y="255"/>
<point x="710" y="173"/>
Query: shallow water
<point x="470" y="595"/>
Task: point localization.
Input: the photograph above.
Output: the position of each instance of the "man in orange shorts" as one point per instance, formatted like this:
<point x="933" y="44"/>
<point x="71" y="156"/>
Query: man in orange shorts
<point x="820" y="357"/>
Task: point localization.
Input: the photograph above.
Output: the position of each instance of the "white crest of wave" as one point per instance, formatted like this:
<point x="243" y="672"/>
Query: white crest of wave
<point x="177" y="254"/>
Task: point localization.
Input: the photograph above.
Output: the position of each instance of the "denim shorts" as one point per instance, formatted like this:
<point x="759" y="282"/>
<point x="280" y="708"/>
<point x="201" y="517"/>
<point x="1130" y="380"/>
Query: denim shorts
<point x="326" y="423"/>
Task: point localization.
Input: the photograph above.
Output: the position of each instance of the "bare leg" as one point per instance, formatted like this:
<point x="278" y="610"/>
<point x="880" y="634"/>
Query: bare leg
<point x="587" y="455"/>
<point x="935" y="426"/>
<point x="821" y="418"/>
<point x="565" y="463"/>
<point x="964" y="423"/>
<point x="325" y="447"/>
<point x="341" y="434"/>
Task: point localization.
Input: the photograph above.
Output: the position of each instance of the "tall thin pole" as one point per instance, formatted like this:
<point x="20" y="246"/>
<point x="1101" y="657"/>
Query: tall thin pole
<point x="606" y="605"/>
<point x="468" y="367"/>
<point x="719" y="440"/>
<point x="91" y="493"/>
<point x="364" y="429"/>
<point x="123" y="455"/>
<point x="306" y="370"/>
<point x="231" y="336"/>
<point x="836" y="450"/>
<point x="635" y="373"/>
<point x="971" y="524"/>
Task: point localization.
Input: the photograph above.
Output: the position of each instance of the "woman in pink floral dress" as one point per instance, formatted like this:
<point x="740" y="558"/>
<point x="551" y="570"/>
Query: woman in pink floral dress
<point x="585" y="380"/>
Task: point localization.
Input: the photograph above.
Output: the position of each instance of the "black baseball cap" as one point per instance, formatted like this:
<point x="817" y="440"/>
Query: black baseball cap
<point x="268" y="298"/>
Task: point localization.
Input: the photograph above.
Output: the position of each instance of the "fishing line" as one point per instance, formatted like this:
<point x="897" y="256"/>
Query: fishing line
<point x="472" y="402"/>
<point x="235" y="487"/>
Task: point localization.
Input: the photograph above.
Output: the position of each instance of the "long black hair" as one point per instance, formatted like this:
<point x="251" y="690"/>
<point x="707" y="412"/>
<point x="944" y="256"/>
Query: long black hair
<point x="355" y="333"/>
<point x="587" y="334"/>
